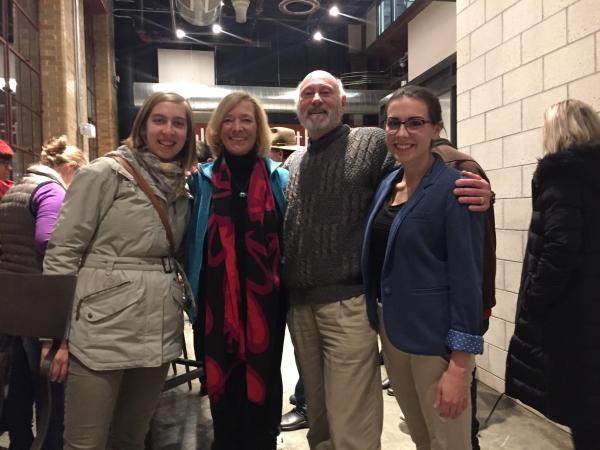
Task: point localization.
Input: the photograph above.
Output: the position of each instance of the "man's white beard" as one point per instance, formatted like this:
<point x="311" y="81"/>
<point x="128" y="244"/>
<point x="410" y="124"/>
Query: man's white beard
<point x="326" y="124"/>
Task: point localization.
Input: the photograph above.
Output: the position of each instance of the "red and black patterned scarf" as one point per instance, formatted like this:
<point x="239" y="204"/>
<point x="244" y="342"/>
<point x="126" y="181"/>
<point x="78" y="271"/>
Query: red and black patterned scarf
<point x="5" y="186"/>
<point x="232" y="339"/>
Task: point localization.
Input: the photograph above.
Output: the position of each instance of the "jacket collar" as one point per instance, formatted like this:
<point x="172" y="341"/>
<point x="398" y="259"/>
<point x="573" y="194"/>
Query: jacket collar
<point x="206" y="169"/>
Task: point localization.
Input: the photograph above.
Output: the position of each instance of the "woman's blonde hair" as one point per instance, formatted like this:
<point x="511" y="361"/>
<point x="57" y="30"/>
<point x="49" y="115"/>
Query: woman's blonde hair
<point x="570" y="122"/>
<point x="57" y="151"/>
<point x="137" y="138"/>
<point x="263" y="131"/>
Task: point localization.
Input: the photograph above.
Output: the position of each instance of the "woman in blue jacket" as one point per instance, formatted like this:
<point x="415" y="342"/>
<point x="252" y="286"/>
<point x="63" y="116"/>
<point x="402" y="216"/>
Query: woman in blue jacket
<point x="233" y="264"/>
<point x="422" y="266"/>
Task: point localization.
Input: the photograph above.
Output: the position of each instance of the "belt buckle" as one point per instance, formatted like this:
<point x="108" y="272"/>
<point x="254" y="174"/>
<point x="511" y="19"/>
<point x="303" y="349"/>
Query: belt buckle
<point x="166" y="263"/>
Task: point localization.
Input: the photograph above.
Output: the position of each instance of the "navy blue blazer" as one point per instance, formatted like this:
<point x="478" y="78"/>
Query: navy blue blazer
<point x="431" y="277"/>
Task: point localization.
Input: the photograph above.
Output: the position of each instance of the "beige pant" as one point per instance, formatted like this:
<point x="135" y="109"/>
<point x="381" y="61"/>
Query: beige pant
<point x="123" y="400"/>
<point x="414" y="379"/>
<point x="339" y="360"/>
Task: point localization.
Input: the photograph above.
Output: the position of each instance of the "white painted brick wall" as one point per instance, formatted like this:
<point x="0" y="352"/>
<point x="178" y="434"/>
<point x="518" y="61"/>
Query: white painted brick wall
<point x="515" y="59"/>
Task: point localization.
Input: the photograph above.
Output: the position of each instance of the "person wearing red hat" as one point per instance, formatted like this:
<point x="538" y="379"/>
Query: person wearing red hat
<point x="6" y="155"/>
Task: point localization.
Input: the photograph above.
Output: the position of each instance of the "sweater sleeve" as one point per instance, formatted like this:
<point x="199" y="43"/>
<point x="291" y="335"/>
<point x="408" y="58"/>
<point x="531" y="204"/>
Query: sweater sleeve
<point x="45" y="205"/>
<point x="464" y="241"/>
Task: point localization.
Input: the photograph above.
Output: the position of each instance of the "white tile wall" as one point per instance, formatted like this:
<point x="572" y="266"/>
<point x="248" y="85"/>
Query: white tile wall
<point x="502" y="59"/>
<point x="522" y="16"/>
<point x="483" y="360"/>
<point x="506" y="304"/>
<point x="512" y="272"/>
<point x="523" y="148"/>
<point x="584" y="19"/>
<point x="509" y="246"/>
<point x="487" y="37"/>
<point x="488" y="155"/>
<point x="524" y="81"/>
<point x="545" y="37"/>
<point x="587" y="89"/>
<point x="553" y="6"/>
<point x="470" y="19"/>
<point x="517" y="213"/>
<point x="535" y="106"/>
<point x="486" y="97"/>
<point x="516" y="58"/>
<point x="506" y="182"/>
<point x="569" y="63"/>
<point x="494" y="7"/>
<point x="503" y="121"/>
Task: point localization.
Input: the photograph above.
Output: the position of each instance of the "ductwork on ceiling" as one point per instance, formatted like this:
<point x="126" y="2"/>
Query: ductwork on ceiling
<point x="199" y="12"/>
<point x="241" y="9"/>
<point x="274" y="99"/>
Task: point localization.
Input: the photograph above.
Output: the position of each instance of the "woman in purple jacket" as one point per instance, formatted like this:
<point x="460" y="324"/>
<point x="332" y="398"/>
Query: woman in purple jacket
<point x="28" y="213"/>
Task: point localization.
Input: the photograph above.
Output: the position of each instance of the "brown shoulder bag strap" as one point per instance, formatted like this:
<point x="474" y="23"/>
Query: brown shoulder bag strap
<point x="148" y="191"/>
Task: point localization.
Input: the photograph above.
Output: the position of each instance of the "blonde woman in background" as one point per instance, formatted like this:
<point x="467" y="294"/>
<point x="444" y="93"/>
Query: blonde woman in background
<point x="127" y="320"/>
<point x="554" y="356"/>
<point x="28" y="213"/>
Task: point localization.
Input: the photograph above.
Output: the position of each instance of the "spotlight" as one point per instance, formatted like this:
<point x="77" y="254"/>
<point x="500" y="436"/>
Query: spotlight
<point x="334" y="11"/>
<point x="217" y="28"/>
<point x="180" y="33"/>
<point x="318" y="36"/>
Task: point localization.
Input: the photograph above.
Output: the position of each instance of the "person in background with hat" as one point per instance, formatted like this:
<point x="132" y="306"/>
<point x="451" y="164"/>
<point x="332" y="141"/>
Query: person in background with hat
<point x="6" y="155"/>
<point x="283" y="144"/>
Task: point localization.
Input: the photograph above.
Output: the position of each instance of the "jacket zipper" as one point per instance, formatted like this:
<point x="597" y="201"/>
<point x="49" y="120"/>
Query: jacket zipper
<point x="81" y="300"/>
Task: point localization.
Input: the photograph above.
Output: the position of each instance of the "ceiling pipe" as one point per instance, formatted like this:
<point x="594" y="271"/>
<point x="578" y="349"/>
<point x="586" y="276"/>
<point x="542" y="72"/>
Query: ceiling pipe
<point x="173" y="23"/>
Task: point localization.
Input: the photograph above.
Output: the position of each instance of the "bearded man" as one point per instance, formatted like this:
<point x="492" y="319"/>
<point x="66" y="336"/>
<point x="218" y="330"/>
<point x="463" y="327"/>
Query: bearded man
<point x="329" y="192"/>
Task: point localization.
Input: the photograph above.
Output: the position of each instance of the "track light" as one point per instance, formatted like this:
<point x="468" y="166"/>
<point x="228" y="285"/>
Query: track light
<point x="180" y="34"/>
<point x="318" y="36"/>
<point x="334" y="11"/>
<point x="217" y="28"/>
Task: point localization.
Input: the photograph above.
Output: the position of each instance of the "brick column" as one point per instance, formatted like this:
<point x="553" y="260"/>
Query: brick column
<point x="106" y="92"/>
<point x="58" y="69"/>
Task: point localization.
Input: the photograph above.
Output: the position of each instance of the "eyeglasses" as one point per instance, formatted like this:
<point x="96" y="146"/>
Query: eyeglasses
<point x="412" y="125"/>
<point x="7" y="162"/>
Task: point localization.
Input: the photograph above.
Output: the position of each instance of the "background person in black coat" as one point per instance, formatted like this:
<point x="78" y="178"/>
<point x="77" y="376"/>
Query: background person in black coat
<point x="553" y="360"/>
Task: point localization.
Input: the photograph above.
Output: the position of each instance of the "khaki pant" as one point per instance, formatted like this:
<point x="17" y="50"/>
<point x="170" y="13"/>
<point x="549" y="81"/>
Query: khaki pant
<point x="338" y="354"/>
<point x="414" y="379"/>
<point x="123" y="400"/>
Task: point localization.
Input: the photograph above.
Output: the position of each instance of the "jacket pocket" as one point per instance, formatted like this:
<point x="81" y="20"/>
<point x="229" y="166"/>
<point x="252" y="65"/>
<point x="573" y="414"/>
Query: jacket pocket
<point x="417" y="215"/>
<point x="435" y="290"/>
<point x="106" y="302"/>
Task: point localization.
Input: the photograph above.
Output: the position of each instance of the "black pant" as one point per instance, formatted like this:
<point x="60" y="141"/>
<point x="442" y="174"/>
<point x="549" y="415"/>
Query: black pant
<point x="241" y="424"/>
<point x="586" y="439"/>
<point x="474" y="422"/>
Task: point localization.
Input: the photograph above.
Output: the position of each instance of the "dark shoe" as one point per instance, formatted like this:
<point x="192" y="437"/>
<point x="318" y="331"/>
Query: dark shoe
<point x="390" y="392"/>
<point x="385" y="384"/>
<point x="293" y="421"/>
<point x="293" y="399"/>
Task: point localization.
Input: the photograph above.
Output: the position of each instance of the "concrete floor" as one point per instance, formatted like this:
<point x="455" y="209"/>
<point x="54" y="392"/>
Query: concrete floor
<point x="183" y="422"/>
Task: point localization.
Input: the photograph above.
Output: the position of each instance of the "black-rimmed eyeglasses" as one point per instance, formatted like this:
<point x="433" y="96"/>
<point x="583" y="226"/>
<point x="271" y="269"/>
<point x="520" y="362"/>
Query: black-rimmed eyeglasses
<point x="7" y="162"/>
<point x="412" y="125"/>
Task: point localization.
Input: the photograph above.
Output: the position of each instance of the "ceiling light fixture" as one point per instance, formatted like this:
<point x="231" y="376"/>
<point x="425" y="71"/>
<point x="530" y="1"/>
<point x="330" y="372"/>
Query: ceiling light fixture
<point x="180" y="34"/>
<point x="334" y="11"/>
<point x="318" y="36"/>
<point x="217" y="28"/>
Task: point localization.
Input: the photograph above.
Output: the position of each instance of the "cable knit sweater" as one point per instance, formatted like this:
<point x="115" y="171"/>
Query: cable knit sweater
<point x="329" y="192"/>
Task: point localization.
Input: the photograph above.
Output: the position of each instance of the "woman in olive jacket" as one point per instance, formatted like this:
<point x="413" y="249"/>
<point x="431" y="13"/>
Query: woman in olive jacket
<point x="127" y="319"/>
<point x="554" y="356"/>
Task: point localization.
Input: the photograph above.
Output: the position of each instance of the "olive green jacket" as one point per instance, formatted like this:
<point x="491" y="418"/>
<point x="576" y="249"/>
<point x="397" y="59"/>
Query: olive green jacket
<point x="128" y="312"/>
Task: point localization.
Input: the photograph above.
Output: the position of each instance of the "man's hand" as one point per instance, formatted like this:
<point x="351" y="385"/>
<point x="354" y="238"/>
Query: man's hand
<point x="474" y="191"/>
<point x="60" y="364"/>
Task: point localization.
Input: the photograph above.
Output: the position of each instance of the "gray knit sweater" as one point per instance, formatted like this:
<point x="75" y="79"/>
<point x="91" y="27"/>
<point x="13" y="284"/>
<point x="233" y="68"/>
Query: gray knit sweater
<point x="329" y="192"/>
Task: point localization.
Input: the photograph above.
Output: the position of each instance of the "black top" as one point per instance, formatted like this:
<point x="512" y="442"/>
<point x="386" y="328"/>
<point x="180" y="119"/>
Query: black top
<point x="380" y="233"/>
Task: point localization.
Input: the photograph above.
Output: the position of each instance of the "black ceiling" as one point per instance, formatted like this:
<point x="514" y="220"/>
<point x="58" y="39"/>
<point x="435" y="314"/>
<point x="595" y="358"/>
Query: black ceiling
<point x="156" y="19"/>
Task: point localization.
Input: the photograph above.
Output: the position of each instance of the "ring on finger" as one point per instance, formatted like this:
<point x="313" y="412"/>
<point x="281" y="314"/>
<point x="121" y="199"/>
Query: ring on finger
<point x="482" y="200"/>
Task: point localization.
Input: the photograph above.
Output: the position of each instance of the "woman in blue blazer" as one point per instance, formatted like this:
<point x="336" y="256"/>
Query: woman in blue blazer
<point x="422" y="266"/>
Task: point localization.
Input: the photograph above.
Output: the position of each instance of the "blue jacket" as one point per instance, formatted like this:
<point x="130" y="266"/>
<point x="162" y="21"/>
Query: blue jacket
<point x="431" y="277"/>
<point x="201" y="188"/>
